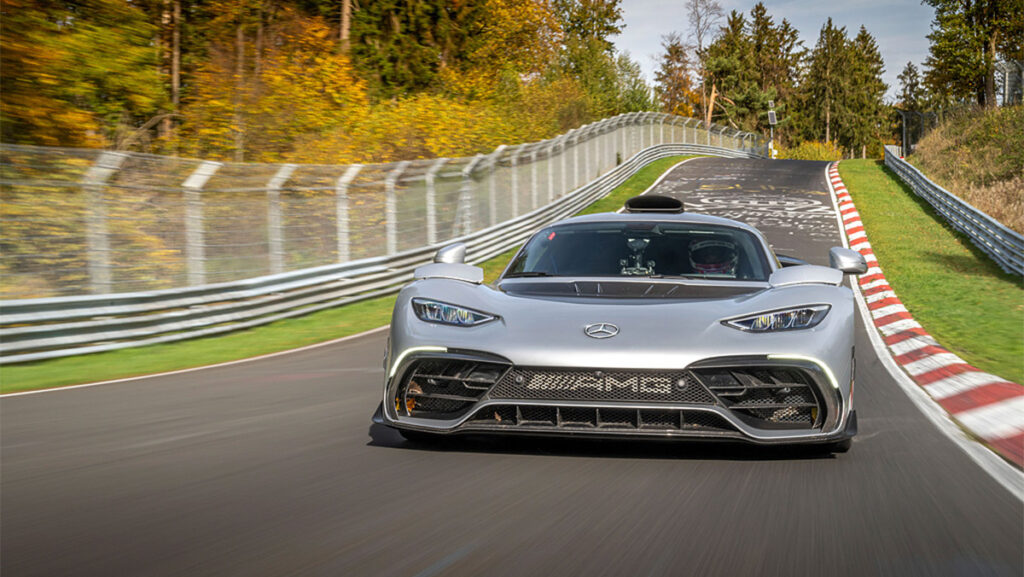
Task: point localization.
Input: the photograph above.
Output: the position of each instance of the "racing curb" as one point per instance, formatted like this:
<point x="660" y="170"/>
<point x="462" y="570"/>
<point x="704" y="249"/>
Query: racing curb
<point x="988" y="406"/>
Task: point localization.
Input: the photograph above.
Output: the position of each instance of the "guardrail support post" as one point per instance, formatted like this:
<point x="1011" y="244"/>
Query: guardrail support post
<point x="341" y="211"/>
<point x="563" y="155"/>
<point x="391" y="208"/>
<point x="432" y="200"/>
<point x="195" y="245"/>
<point x="661" y="130"/>
<point x="464" y="210"/>
<point x="97" y="237"/>
<point x="275" y="236"/>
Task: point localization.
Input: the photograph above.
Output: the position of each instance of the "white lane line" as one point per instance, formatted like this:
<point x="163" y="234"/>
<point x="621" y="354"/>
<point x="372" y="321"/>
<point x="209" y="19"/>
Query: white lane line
<point x="1008" y="476"/>
<point x="961" y="383"/>
<point x="182" y="371"/>
<point x="932" y="363"/>
<point x="996" y="421"/>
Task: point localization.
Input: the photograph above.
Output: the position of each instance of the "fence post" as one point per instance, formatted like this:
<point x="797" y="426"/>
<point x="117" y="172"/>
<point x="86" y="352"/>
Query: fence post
<point x="341" y="211"/>
<point x="97" y="237"/>
<point x="576" y="160"/>
<point x="432" y="200"/>
<point x="514" y="186"/>
<point x="464" y="210"/>
<point x="275" y="236"/>
<point x="195" y="246"/>
<point x="391" y="208"/>
<point x="650" y="128"/>
<point x="661" y="130"/>
<point x="534" y="193"/>
<point x="551" y="170"/>
<point x="492" y="193"/>
<point x="561" y="140"/>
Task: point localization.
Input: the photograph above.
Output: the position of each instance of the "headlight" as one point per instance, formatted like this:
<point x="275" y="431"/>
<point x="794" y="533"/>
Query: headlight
<point x="784" y="320"/>
<point x="446" y="314"/>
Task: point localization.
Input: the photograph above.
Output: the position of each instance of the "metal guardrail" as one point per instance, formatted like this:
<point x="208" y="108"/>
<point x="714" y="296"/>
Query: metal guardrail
<point x="1005" y="246"/>
<point x="44" y="328"/>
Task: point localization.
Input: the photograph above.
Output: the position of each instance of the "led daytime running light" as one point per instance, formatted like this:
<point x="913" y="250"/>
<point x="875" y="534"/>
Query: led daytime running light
<point x="447" y="314"/>
<point x="785" y="320"/>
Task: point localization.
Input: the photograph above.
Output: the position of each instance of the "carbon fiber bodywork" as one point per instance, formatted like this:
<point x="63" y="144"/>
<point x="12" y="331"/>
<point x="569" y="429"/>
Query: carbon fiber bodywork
<point x="673" y="367"/>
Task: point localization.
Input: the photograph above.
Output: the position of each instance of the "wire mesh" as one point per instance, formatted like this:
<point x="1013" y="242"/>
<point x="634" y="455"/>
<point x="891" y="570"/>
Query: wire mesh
<point x="76" y="221"/>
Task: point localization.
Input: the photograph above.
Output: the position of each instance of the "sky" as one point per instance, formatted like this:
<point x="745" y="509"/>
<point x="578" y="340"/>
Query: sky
<point x="900" y="27"/>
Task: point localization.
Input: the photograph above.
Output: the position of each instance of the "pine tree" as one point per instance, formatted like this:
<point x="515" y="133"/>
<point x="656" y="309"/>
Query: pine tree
<point x="864" y="116"/>
<point x="826" y="84"/>
<point x="675" y="90"/>
<point x="910" y="87"/>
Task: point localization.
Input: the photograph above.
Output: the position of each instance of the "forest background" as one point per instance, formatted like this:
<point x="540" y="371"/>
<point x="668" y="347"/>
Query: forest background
<point x="346" y="81"/>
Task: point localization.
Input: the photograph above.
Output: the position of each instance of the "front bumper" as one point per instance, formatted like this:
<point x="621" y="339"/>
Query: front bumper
<point x="759" y="399"/>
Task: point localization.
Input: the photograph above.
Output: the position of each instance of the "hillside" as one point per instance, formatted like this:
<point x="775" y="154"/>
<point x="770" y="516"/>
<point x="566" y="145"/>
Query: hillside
<point x="979" y="156"/>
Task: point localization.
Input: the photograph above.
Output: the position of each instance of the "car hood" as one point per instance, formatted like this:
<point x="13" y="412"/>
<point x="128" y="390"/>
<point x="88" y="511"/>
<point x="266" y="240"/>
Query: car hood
<point x="537" y="328"/>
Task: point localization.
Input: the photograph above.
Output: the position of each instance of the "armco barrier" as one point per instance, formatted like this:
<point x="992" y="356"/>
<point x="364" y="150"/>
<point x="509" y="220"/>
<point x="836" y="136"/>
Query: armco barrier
<point x="1005" y="246"/>
<point x="36" y="329"/>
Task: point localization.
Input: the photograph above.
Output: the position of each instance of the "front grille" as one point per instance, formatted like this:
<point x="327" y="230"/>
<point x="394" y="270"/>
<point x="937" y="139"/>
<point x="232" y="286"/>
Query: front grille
<point x="444" y="387"/>
<point x="601" y="385"/>
<point x="527" y="417"/>
<point x="772" y="397"/>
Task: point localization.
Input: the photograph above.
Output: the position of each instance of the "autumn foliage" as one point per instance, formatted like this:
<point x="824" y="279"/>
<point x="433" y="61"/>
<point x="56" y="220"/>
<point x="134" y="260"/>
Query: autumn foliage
<point x="252" y="80"/>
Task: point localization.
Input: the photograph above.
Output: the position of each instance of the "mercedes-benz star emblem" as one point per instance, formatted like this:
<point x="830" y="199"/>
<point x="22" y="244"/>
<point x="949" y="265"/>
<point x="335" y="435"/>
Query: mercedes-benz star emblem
<point x="601" y="330"/>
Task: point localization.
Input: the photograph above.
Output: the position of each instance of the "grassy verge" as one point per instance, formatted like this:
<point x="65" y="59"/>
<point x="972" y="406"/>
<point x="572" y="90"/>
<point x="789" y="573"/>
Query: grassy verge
<point x="960" y="296"/>
<point x="282" y="335"/>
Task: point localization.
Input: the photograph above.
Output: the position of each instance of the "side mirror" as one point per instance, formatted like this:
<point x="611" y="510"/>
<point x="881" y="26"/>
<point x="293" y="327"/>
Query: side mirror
<point x="451" y="254"/>
<point x="846" y="260"/>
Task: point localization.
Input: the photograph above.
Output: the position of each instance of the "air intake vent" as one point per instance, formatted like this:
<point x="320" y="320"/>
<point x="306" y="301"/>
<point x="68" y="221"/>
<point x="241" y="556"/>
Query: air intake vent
<point x="654" y="203"/>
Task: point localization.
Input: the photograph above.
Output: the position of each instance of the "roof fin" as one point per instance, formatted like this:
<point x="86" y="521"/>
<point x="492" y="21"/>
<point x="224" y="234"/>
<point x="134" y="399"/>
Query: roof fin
<point x="654" y="203"/>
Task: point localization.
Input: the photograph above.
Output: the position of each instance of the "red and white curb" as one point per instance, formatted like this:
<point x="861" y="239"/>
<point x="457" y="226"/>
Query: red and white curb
<point x="988" y="406"/>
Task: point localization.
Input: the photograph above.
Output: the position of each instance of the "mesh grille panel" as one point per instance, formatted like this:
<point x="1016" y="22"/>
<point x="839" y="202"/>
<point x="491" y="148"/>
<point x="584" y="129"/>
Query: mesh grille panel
<point x="611" y="420"/>
<point x="598" y="385"/>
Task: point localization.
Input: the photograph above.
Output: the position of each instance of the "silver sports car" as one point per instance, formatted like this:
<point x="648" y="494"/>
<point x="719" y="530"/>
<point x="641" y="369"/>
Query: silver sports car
<point x="653" y="323"/>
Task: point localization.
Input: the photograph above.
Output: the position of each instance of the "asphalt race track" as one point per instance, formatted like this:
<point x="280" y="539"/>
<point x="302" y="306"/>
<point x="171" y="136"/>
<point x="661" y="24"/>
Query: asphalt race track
<point x="271" y="467"/>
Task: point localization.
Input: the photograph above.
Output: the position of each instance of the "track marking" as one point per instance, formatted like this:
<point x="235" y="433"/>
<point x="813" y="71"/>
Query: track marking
<point x="202" y="368"/>
<point x="1011" y="478"/>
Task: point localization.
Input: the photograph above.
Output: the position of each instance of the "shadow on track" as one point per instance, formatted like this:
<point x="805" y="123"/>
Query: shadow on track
<point x="704" y="450"/>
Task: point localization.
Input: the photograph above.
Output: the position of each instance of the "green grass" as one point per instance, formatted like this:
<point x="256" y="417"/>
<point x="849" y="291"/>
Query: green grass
<point x="953" y="289"/>
<point x="279" y="336"/>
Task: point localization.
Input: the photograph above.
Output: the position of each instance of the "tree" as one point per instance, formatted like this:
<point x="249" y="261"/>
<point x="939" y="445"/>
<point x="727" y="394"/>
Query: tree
<point x="865" y="108"/>
<point x="967" y="39"/>
<point x="732" y="69"/>
<point x="76" y="75"/>
<point x="826" y="86"/>
<point x="634" y="93"/>
<point x="704" y="16"/>
<point x="588" y="54"/>
<point x="910" y="87"/>
<point x="673" y="77"/>
<point x="778" y="55"/>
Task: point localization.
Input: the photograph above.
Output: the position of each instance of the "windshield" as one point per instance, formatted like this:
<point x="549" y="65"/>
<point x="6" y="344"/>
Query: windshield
<point x="642" y="249"/>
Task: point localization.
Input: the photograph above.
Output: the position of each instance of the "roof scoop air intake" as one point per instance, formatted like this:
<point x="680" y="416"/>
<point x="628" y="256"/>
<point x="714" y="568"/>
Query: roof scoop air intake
<point x="654" y="203"/>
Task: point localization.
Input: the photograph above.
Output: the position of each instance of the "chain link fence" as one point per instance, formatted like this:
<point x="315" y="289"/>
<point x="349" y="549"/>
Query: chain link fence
<point x="97" y="222"/>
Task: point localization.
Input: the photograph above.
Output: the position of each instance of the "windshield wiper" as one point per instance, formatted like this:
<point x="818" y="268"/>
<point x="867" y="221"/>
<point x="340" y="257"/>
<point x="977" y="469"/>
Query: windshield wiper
<point x="528" y="274"/>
